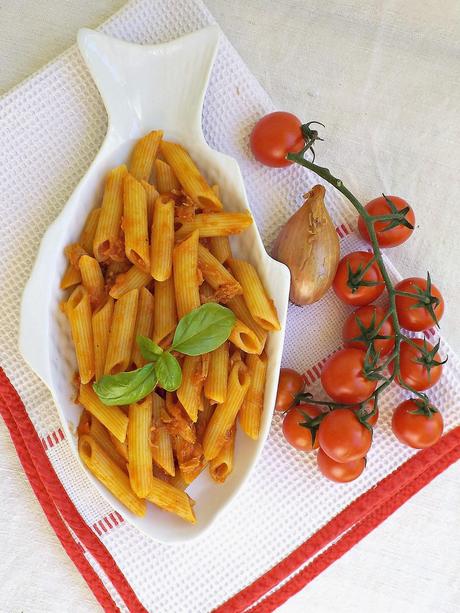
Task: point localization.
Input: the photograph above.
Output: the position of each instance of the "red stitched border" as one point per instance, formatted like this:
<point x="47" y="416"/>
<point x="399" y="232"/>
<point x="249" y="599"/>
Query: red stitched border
<point x="358" y="510"/>
<point x="61" y="499"/>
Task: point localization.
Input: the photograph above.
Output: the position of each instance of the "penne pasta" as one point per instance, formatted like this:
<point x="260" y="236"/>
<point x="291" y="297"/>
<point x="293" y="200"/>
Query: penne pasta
<point x="186" y="288"/>
<point x="162" y="241"/>
<point x="121" y="447"/>
<point x="112" y="418"/>
<point x="107" y="239"/>
<point x="165" y="178"/>
<point x="192" y="181"/>
<point x="239" y="307"/>
<point x="206" y="293"/>
<point x="215" y="386"/>
<point x="218" y="277"/>
<point x="160" y="439"/>
<point x="91" y="425"/>
<point x="71" y="277"/>
<point x="177" y="420"/>
<point x="151" y="194"/>
<point x="164" y="314"/>
<point x="251" y="410"/>
<point x="139" y="454"/>
<point x="135" y="223"/>
<point x="89" y="231"/>
<point x="122" y="333"/>
<point x="92" y="280"/>
<point x="178" y="481"/>
<point x="144" y="154"/>
<point x="144" y="324"/>
<point x="214" y="224"/>
<point x="203" y="419"/>
<point x="134" y="278"/>
<point x="78" y="310"/>
<point x="172" y="499"/>
<point x="259" y="304"/>
<point x="244" y="338"/>
<point x="101" y="322"/>
<point x="109" y="474"/>
<point x="222" y="465"/>
<point x="223" y="418"/>
<point x="189" y="458"/>
<point x="189" y="392"/>
<point x="219" y="246"/>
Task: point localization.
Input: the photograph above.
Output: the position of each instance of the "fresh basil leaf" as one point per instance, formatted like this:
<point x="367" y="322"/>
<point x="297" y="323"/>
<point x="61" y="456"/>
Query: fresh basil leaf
<point x="126" y="387"/>
<point x="203" y="329"/>
<point x="150" y="350"/>
<point x="168" y="371"/>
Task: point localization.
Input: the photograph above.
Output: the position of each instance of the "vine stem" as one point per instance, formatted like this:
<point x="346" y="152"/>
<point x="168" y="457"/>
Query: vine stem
<point x="369" y="220"/>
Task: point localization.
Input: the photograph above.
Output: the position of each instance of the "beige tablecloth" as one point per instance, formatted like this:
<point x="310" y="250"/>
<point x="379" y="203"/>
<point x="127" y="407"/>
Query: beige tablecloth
<point x="384" y="78"/>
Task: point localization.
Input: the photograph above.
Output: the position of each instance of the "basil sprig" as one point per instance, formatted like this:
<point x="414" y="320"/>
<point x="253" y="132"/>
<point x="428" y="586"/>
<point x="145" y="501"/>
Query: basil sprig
<point x="200" y="331"/>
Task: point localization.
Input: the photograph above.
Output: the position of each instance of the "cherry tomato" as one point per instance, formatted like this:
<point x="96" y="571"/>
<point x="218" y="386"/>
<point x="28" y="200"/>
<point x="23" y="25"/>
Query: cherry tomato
<point x="343" y="437"/>
<point x="393" y="236"/>
<point x="416" y="430"/>
<point x="340" y="472"/>
<point x="417" y="318"/>
<point x="370" y="318"/>
<point x="297" y="435"/>
<point x="413" y="371"/>
<point x="343" y="377"/>
<point x="368" y="408"/>
<point x="343" y="284"/>
<point x="274" y="136"/>
<point x="289" y="385"/>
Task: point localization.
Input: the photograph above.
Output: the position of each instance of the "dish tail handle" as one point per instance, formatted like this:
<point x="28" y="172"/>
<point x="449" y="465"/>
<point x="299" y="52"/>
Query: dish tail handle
<point x="146" y="86"/>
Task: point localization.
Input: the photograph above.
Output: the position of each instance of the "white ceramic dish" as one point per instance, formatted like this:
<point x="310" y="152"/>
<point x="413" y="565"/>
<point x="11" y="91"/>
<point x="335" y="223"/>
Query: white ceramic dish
<point x="144" y="88"/>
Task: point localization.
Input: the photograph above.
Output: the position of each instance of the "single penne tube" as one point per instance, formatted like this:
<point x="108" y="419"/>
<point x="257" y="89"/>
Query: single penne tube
<point x="244" y="338"/>
<point x="121" y="447"/>
<point x="214" y="224"/>
<point x="139" y="454"/>
<point x="219" y="427"/>
<point x="134" y="278"/>
<point x="219" y="246"/>
<point x="192" y="181"/>
<point x="71" y="277"/>
<point x="91" y="425"/>
<point x="89" y="231"/>
<point x="203" y="419"/>
<point x="112" y="418"/>
<point x="178" y="481"/>
<point x="253" y="404"/>
<point x="259" y="304"/>
<point x="78" y="310"/>
<point x="189" y="392"/>
<point x="218" y="277"/>
<point x="92" y="280"/>
<point x="215" y="386"/>
<point x="101" y="322"/>
<point x="165" y="178"/>
<point x="107" y="240"/>
<point x="165" y="313"/>
<point x="222" y="465"/>
<point x="151" y="194"/>
<point x="239" y="307"/>
<point x="144" y="324"/>
<point x="160" y="439"/>
<point x="135" y="223"/>
<point x="185" y="262"/>
<point x="109" y="474"/>
<point x="162" y="240"/>
<point x="172" y="499"/>
<point x="122" y="333"/>
<point x="144" y="154"/>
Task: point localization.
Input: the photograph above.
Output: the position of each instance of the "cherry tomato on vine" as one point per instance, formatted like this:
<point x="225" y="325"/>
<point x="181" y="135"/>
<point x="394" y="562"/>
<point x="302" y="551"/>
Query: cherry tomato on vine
<point x="413" y="313"/>
<point x="363" y="325"/>
<point x="340" y="472"/>
<point x="348" y="275"/>
<point x="419" y="368"/>
<point x="298" y="435"/>
<point x="388" y="234"/>
<point x="274" y="136"/>
<point x="290" y="384"/>
<point x="344" y="379"/>
<point x="416" y="426"/>
<point x="343" y="437"/>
